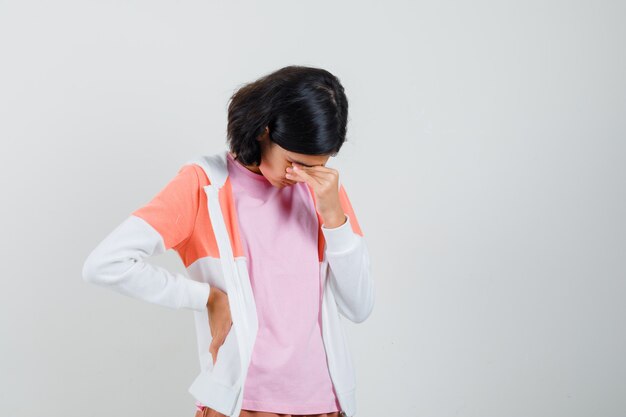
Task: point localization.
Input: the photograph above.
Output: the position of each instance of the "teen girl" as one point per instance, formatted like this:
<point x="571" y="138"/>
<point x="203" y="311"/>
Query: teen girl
<point x="282" y="129"/>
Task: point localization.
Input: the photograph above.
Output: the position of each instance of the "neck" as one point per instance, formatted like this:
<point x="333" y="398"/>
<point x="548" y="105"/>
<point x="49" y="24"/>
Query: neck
<point x="252" y="168"/>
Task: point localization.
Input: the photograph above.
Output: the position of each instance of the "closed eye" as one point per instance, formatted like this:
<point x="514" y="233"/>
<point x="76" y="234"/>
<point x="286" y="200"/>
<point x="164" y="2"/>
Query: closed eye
<point x="303" y="164"/>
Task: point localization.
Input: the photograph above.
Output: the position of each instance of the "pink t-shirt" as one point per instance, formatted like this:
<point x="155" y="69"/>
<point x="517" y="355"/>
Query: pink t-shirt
<point x="288" y="373"/>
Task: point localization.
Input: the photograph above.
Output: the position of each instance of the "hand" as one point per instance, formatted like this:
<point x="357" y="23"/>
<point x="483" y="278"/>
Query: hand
<point x="220" y="320"/>
<point x="325" y="184"/>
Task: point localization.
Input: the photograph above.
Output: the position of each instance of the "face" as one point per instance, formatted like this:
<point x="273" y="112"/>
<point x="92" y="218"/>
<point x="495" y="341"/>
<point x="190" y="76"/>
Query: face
<point x="275" y="160"/>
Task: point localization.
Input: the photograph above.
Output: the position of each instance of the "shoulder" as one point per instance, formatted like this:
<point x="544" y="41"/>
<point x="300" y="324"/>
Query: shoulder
<point x="215" y="163"/>
<point x="195" y="172"/>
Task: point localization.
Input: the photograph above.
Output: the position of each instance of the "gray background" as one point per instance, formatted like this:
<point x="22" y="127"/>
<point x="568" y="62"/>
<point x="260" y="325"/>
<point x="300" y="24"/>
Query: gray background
<point x="485" y="160"/>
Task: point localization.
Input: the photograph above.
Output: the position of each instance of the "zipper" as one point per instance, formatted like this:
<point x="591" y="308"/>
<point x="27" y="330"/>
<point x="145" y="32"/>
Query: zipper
<point x="324" y="267"/>
<point x="236" y="291"/>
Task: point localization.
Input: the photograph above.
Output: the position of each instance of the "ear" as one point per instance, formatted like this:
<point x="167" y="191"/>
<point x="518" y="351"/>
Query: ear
<point x="264" y="135"/>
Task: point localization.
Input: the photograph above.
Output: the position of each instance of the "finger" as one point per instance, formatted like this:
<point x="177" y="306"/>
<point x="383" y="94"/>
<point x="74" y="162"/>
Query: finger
<point x="312" y="177"/>
<point x="317" y="171"/>
<point x="309" y="175"/>
<point x="213" y="353"/>
<point x="214" y="348"/>
<point x="221" y="332"/>
<point x="294" y="176"/>
<point x="302" y="176"/>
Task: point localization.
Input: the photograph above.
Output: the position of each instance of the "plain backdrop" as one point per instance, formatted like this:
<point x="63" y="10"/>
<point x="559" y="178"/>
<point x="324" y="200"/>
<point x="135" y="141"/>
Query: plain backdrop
<point x="485" y="159"/>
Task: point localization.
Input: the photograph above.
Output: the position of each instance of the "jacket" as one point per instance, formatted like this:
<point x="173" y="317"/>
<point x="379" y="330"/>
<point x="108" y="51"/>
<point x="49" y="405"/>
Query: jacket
<point x="213" y="256"/>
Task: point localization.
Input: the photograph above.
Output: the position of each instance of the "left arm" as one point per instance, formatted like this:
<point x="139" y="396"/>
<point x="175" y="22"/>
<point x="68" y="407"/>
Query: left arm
<point x="349" y="262"/>
<point x="345" y="248"/>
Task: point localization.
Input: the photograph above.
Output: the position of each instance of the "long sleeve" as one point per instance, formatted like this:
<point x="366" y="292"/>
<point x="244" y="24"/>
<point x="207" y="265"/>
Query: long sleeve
<point x="167" y="221"/>
<point x="349" y="262"/>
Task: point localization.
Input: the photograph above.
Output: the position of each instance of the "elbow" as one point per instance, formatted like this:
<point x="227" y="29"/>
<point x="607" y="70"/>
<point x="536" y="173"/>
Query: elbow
<point x="119" y="254"/>
<point x="90" y="271"/>
<point x="362" y="312"/>
<point x="358" y="316"/>
<point x="368" y="311"/>
<point x="99" y="269"/>
<point x="362" y="315"/>
<point x="108" y="269"/>
<point x="355" y="303"/>
<point x="367" y="305"/>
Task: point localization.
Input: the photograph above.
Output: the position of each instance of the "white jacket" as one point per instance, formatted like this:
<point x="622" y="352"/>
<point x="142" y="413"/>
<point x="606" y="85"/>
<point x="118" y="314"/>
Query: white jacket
<point x="118" y="262"/>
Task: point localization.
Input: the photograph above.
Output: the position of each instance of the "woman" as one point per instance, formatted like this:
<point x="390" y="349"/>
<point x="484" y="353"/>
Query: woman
<point x="292" y="228"/>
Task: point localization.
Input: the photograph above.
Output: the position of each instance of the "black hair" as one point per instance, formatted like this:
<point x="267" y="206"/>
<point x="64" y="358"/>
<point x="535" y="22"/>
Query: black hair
<point x="305" y="109"/>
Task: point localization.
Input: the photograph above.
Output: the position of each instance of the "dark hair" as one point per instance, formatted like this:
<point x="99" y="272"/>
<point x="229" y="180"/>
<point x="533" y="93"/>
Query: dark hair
<point x="305" y="109"/>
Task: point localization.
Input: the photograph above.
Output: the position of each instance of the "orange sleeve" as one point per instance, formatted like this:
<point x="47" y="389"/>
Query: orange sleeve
<point x="347" y="209"/>
<point x="172" y="211"/>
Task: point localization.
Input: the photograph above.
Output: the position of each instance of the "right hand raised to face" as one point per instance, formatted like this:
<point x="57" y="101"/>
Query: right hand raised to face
<point x="220" y="320"/>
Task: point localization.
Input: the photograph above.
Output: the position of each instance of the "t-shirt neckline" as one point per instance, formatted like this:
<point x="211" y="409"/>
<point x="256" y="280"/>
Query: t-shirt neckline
<point x="246" y="171"/>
